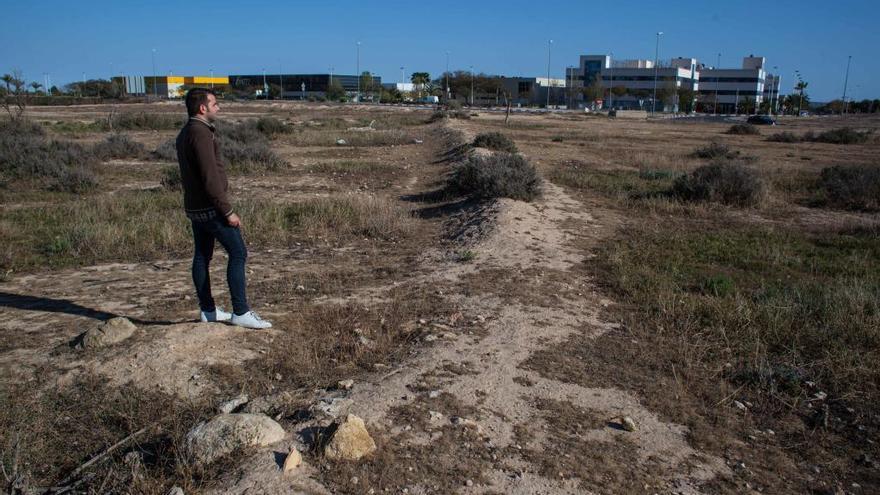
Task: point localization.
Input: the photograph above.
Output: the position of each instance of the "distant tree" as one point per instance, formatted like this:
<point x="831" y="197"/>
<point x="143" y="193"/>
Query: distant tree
<point x="686" y="100"/>
<point x="35" y="86"/>
<point x="619" y="91"/>
<point x="335" y="91"/>
<point x="17" y="99"/>
<point x="419" y="80"/>
<point x="594" y="91"/>
<point x="746" y="105"/>
<point x="7" y="78"/>
<point x="801" y="86"/>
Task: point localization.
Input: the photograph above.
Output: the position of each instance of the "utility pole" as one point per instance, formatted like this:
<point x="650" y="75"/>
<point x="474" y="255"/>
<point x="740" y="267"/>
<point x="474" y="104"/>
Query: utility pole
<point x="281" y="79"/>
<point x="357" y="97"/>
<point x="265" y="86"/>
<point x="611" y="82"/>
<point x="656" y="62"/>
<point x="549" y="45"/>
<point x="155" y="85"/>
<point x="212" y="77"/>
<point x="472" y="85"/>
<point x="846" y="81"/>
<point x="448" y="93"/>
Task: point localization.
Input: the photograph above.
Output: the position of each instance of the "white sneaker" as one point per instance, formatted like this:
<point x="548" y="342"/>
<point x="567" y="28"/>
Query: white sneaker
<point x="250" y="320"/>
<point x="217" y="315"/>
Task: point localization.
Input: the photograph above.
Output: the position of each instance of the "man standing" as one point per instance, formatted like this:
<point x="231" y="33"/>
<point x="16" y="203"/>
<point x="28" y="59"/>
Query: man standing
<point x="206" y="200"/>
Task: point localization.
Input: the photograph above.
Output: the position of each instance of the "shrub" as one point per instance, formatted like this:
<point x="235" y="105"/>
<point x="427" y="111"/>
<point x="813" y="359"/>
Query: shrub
<point x="843" y="135"/>
<point x="146" y="121"/>
<point x="853" y="187"/>
<point x="449" y="114"/>
<point x="167" y="151"/>
<point x="500" y="175"/>
<point x="244" y="148"/>
<point x="271" y="126"/>
<point x="785" y="137"/>
<point x="494" y="141"/>
<point x="54" y="165"/>
<point x="171" y="178"/>
<point x="722" y="182"/>
<point x="715" y="150"/>
<point x="118" y="146"/>
<point x="743" y="129"/>
<point x="21" y="127"/>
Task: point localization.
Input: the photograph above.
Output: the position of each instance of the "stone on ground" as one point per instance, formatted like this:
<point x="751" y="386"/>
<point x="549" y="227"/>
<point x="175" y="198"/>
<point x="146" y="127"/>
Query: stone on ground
<point x="293" y="460"/>
<point x="227" y="433"/>
<point x="106" y="333"/>
<point x="351" y="441"/>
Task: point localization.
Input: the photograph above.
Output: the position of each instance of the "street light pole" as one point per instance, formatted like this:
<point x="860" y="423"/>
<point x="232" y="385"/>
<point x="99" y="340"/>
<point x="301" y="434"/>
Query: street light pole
<point x="357" y="98"/>
<point x="549" y="45"/>
<point x="846" y="81"/>
<point x="212" y="77"/>
<point x="281" y="80"/>
<point x="472" y="85"/>
<point x="265" y="87"/>
<point x="611" y="82"/>
<point x="448" y="93"/>
<point x="155" y="86"/>
<point x="656" y="61"/>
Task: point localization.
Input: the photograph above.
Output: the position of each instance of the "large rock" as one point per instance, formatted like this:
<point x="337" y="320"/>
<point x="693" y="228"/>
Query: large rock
<point x="107" y="333"/>
<point x="350" y="441"/>
<point x="227" y="433"/>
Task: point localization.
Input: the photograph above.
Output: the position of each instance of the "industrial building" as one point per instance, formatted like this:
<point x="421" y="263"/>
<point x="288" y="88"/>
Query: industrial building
<point x="299" y="86"/>
<point x="725" y="90"/>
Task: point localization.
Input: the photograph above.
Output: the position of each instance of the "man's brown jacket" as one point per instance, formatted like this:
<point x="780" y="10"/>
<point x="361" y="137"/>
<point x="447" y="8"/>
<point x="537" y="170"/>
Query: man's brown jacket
<point x="205" y="186"/>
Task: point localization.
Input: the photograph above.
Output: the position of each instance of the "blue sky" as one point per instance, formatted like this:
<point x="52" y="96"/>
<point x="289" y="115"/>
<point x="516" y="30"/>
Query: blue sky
<point x="65" y="39"/>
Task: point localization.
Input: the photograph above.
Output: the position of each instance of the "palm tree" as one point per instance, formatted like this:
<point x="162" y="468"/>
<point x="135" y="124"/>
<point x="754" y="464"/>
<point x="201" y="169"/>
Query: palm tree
<point x="801" y="86"/>
<point x="36" y="86"/>
<point x="7" y="78"/>
<point x="420" y="79"/>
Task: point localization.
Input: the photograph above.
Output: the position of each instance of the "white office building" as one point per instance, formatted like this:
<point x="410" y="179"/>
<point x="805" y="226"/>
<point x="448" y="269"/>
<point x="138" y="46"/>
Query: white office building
<point x="725" y="90"/>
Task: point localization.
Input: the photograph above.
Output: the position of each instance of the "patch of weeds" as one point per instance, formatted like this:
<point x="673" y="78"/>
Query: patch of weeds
<point x="557" y="139"/>
<point x="142" y="121"/>
<point x="501" y="175"/>
<point x="844" y="135"/>
<point x="171" y="179"/>
<point x="166" y="151"/>
<point x="27" y="155"/>
<point x="715" y="150"/>
<point x="245" y="149"/>
<point x="613" y="183"/>
<point x="495" y="141"/>
<point x="785" y="137"/>
<point x="723" y="182"/>
<point x="118" y="145"/>
<point x="466" y="256"/>
<point x="744" y="129"/>
<point x="851" y="187"/>
<point x="718" y="286"/>
<point x="77" y="126"/>
<point x="364" y="216"/>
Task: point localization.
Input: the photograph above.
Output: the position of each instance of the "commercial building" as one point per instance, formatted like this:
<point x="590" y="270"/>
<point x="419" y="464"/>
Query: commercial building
<point x="731" y="90"/>
<point x="299" y="86"/>
<point x="176" y="86"/>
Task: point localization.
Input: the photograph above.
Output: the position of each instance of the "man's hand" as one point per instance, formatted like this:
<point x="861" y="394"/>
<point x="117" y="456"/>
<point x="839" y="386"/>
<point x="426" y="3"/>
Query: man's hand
<point x="233" y="220"/>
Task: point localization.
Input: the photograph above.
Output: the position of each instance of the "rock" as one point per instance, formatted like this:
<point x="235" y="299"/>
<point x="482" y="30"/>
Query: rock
<point x="175" y="490"/>
<point x="232" y="404"/>
<point x="468" y="423"/>
<point x="350" y="441"/>
<point x="418" y="141"/>
<point x="227" y="433"/>
<point x="433" y="394"/>
<point x="270" y="404"/>
<point x="300" y="288"/>
<point x="333" y="406"/>
<point x="292" y="461"/>
<point x="106" y="333"/>
<point x="345" y="384"/>
<point x="469" y="483"/>
<point x="435" y="416"/>
<point x="366" y="342"/>
<point x="820" y="395"/>
<point x="341" y="142"/>
<point x="628" y="424"/>
<point x="739" y="405"/>
<point x="430" y="337"/>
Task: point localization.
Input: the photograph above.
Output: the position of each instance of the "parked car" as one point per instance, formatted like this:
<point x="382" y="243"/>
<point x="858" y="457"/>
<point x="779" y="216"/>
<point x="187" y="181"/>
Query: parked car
<point x="761" y="120"/>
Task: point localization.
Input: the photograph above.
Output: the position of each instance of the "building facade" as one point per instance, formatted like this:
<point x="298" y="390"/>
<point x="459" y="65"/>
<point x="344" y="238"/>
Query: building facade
<point x="301" y="86"/>
<point x="734" y="90"/>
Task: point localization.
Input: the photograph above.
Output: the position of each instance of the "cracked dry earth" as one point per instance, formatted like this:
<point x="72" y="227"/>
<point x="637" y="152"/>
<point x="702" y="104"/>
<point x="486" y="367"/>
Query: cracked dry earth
<point x="467" y="413"/>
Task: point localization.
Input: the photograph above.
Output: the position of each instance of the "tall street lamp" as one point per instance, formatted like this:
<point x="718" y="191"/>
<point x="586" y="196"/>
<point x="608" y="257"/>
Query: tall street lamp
<point x="472" y="85"/>
<point x="448" y="93"/>
<point x="265" y="86"/>
<point x="846" y="81"/>
<point x="155" y="86"/>
<point x="358" y="71"/>
<point x="656" y="62"/>
<point x="549" y="45"/>
<point x="611" y="82"/>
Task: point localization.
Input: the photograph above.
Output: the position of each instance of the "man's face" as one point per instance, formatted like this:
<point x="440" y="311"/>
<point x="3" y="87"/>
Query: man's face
<point x="211" y="109"/>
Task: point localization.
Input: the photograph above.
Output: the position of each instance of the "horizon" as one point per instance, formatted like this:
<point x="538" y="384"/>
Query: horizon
<point x="515" y="40"/>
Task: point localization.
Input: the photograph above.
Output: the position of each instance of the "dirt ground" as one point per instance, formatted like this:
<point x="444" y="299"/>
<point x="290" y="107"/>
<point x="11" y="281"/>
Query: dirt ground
<point x="524" y="287"/>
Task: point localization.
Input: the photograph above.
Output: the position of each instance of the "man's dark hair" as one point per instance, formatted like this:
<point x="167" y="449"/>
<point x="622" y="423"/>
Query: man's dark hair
<point x="195" y="98"/>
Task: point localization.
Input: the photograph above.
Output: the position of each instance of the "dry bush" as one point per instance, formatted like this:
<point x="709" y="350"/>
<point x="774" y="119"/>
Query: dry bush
<point x="723" y="182"/>
<point x="243" y="148"/>
<point x="166" y="151"/>
<point x="715" y="150"/>
<point x="270" y="126"/>
<point x="145" y="121"/>
<point x="501" y="175"/>
<point x="26" y="154"/>
<point x="449" y="114"/>
<point x="118" y="145"/>
<point x="785" y="137"/>
<point x="851" y="187"/>
<point x="171" y="179"/>
<point x="364" y="216"/>
<point x="744" y="129"/>
<point x="844" y="135"/>
<point x="495" y="141"/>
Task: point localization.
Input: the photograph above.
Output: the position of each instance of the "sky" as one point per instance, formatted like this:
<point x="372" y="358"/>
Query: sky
<point x="65" y="40"/>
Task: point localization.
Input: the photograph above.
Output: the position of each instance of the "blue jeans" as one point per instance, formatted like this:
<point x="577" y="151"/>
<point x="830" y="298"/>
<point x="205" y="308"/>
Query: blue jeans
<point x="204" y="235"/>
